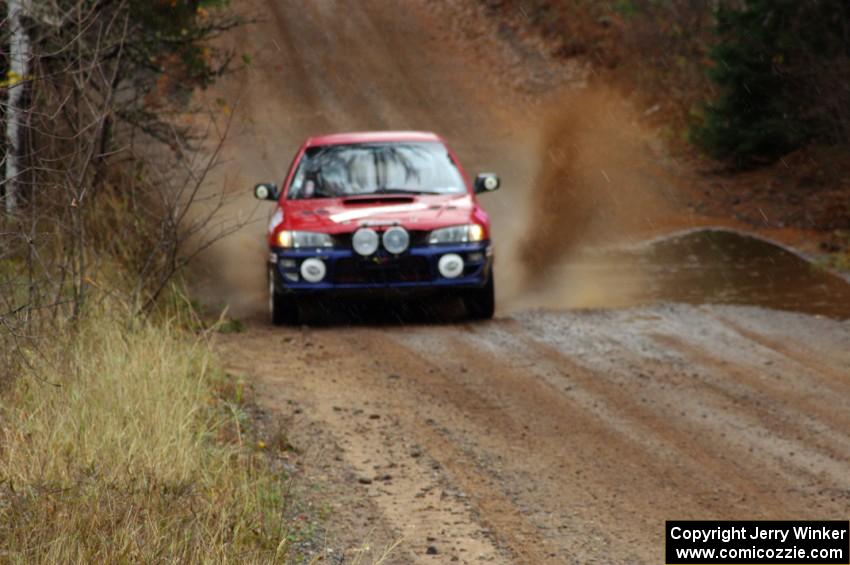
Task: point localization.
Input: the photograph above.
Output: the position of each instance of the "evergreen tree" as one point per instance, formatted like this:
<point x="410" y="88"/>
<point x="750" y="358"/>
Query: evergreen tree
<point x="770" y="65"/>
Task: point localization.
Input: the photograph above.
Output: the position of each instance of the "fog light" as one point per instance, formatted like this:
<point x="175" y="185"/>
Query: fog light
<point x="365" y="241"/>
<point x="396" y="240"/>
<point x="287" y="263"/>
<point x="475" y="257"/>
<point x="450" y="265"/>
<point x="313" y="270"/>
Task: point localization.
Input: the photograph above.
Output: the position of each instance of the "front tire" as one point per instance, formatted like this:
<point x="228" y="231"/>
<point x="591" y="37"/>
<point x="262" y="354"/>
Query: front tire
<point x="481" y="303"/>
<point x="282" y="308"/>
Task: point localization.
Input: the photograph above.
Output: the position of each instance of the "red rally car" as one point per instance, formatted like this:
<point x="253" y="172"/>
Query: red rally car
<point x="378" y="212"/>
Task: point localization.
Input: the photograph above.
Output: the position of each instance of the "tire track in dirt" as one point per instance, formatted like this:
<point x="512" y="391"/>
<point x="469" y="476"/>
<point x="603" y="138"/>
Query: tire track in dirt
<point x="528" y="442"/>
<point x="672" y="441"/>
<point x="831" y="377"/>
<point x="423" y="498"/>
<point x="730" y="397"/>
<point x="825" y="426"/>
<point x="708" y="462"/>
<point x="437" y="427"/>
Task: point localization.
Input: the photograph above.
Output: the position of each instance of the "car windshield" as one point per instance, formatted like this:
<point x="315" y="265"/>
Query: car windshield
<point x="334" y="171"/>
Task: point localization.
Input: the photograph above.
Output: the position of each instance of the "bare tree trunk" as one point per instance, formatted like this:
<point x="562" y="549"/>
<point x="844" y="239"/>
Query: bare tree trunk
<point x="18" y="62"/>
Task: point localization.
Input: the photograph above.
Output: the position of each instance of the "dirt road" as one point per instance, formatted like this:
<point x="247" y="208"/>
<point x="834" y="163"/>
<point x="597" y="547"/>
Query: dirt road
<point x="571" y="437"/>
<point x="546" y="435"/>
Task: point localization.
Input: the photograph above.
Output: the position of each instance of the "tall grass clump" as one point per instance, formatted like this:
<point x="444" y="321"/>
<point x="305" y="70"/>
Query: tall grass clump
<point x="111" y="450"/>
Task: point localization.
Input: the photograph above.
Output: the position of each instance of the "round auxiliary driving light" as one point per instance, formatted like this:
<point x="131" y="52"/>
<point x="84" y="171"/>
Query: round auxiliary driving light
<point x="491" y="183"/>
<point x="365" y="241"/>
<point x="450" y="265"/>
<point x="396" y="240"/>
<point x="313" y="270"/>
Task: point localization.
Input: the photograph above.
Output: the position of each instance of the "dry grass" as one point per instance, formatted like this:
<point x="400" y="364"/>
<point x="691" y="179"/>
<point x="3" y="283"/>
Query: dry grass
<point x="117" y="456"/>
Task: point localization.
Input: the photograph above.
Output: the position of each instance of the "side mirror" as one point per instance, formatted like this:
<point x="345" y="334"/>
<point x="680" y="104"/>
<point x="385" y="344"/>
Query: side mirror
<point x="265" y="191"/>
<point x="487" y="182"/>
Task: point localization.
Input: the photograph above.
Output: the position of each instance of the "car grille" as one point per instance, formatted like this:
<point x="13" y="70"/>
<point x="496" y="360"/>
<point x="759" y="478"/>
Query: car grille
<point x="382" y="271"/>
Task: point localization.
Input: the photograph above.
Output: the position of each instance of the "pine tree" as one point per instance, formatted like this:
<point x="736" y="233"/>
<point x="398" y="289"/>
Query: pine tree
<point x="778" y="66"/>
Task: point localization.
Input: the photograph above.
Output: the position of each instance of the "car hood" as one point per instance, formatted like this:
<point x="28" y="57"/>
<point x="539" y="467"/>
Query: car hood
<point x="414" y="212"/>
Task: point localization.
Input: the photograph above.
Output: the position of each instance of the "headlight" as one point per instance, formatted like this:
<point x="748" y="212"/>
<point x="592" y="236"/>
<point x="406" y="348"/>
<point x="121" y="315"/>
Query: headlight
<point x="456" y="234"/>
<point x="302" y="239"/>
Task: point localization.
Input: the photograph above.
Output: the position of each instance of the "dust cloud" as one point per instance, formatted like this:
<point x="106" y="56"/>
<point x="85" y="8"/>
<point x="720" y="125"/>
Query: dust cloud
<point x="598" y="185"/>
<point x="229" y="277"/>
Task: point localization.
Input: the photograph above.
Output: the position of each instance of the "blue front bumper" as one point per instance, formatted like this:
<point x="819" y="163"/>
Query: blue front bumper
<point x="414" y="270"/>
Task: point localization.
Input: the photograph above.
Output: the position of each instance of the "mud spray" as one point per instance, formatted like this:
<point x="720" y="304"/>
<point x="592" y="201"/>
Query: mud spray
<point x="599" y="184"/>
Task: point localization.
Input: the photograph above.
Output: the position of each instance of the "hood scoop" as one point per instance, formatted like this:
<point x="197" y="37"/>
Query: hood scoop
<point x="377" y="199"/>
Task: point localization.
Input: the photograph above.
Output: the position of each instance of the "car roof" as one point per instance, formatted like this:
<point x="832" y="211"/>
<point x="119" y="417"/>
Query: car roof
<point x="371" y="137"/>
